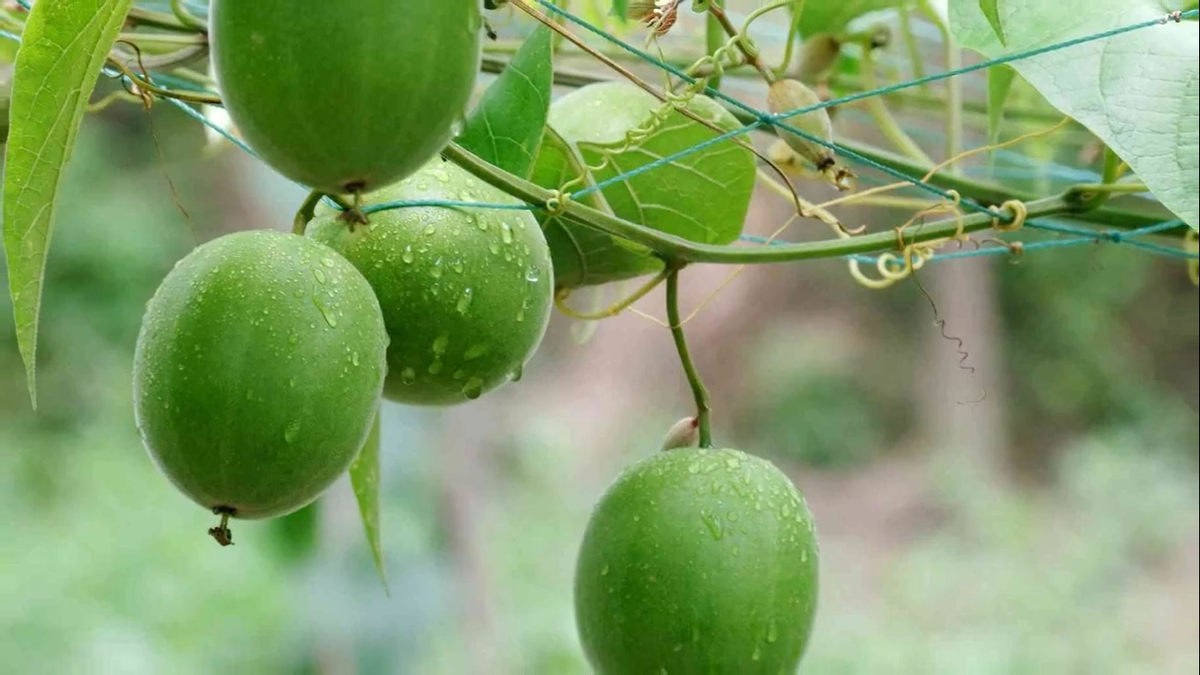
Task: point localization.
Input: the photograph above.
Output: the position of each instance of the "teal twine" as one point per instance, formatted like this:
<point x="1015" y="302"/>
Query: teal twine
<point x="1084" y="236"/>
<point x="777" y="119"/>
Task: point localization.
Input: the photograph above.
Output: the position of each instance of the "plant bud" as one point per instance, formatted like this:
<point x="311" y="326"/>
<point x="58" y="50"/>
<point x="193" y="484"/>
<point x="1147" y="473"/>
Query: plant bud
<point x="787" y="95"/>
<point x="683" y="434"/>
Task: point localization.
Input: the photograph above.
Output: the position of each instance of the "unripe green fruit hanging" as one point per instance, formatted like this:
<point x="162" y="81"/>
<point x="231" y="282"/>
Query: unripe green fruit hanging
<point x="258" y="372"/>
<point x="346" y="96"/>
<point x="698" y="561"/>
<point x="466" y="293"/>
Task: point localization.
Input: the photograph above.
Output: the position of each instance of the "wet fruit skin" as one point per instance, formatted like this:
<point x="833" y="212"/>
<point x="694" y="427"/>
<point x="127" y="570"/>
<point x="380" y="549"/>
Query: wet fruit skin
<point x="258" y="372"/>
<point x="466" y="293"/>
<point x="698" y="561"/>
<point x="349" y="95"/>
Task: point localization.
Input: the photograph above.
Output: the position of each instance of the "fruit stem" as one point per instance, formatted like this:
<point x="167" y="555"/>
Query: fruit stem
<point x="186" y="19"/>
<point x="883" y="117"/>
<point x="703" y="408"/>
<point x="222" y="533"/>
<point x="307" y="211"/>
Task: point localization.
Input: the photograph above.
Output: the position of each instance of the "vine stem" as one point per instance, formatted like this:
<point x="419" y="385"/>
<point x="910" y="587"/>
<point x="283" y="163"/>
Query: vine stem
<point x="703" y="408"/>
<point x="714" y="36"/>
<point x="883" y="117"/>
<point x="678" y="251"/>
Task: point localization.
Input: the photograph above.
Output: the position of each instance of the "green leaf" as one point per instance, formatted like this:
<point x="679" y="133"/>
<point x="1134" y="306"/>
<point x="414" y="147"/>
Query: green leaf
<point x="1136" y="91"/>
<point x="992" y="12"/>
<point x="506" y="127"/>
<point x="364" y="478"/>
<point x="703" y="196"/>
<point x="1000" y="81"/>
<point x="826" y="16"/>
<point x="582" y="256"/>
<point x="63" y="48"/>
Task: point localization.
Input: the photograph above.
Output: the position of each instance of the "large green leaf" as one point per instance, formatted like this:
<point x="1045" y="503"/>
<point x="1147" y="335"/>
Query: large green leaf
<point x="63" y="48"/>
<point x="364" y="478"/>
<point x="582" y="256"/>
<point x="831" y="16"/>
<point x="703" y="196"/>
<point x="1136" y="91"/>
<point x="506" y="127"/>
<point x="991" y="11"/>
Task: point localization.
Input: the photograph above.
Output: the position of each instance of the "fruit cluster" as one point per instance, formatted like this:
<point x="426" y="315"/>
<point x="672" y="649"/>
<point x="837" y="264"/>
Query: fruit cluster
<point x="263" y="357"/>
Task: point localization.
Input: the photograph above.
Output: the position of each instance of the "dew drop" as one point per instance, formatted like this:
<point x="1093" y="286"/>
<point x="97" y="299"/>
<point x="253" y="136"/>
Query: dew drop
<point x="757" y="655"/>
<point x="604" y="571"/>
<point x="494" y="248"/>
<point x="714" y="526"/>
<point x="408" y="256"/>
<point x="437" y="270"/>
<point x="473" y="389"/>
<point x="328" y="262"/>
<point x="429" y="230"/>
<point x="408" y="376"/>
<point x="506" y="234"/>
<point x="532" y="274"/>
<point x="293" y="430"/>
<point x="354" y="358"/>
<point x="516" y="374"/>
<point x="440" y="344"/>
<point x="435" y="367"/>
<point x="319" y="274"/>
<point x="464" y="303"/>
<point x="475" y="351"/>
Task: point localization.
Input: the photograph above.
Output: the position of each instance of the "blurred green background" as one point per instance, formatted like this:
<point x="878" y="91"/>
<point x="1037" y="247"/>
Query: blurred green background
<point x="1037" y="516"/>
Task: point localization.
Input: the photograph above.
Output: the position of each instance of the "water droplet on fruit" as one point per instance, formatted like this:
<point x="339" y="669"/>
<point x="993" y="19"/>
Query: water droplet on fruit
<point x="440" y="343"/>
<point x="475" y="351"/>
<point x="532" y="274"/>
<point x="516" y="374"/>
<point x="429" y="230"/>
<point x="473" y="389"/>
<point x="289" y="434"/>
<point x="506" y="234"/>
<point x="328" y="262"/>
<point x="459" y="374"/>
<point x="437" y="270"/>
<point x="494" y="248"/>
<point x="408" y="376"/>
<point x="732" y="463"/>
<point x="441" y="175"/>
<point x="604" y="571"/>
<point x="757" y="655"/>
<point x="407" y="256"/>
<point x="464" y="303"/>
<point x="714" y="526"/>
<point x="354" y="358"/>
<point x="319" y="274"/>
<point x="435" y="367"/>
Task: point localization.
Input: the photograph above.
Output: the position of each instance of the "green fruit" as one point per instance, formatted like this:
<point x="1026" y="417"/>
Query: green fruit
<point x="466" y="293"/>
<point x="698" y="561"/>
<point x="346" y="96"/>
<point x="703" y="196"/>
<point x="258" y="372"/>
